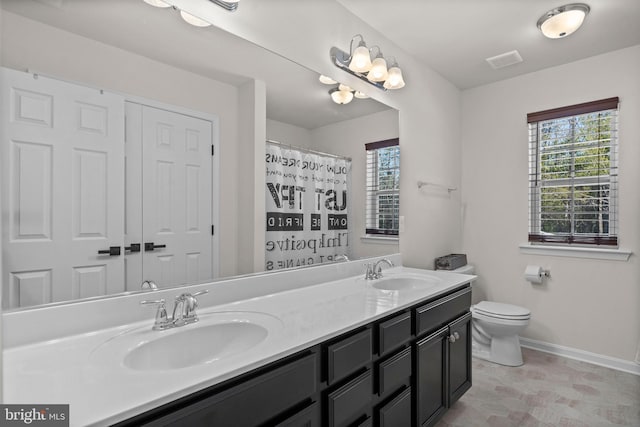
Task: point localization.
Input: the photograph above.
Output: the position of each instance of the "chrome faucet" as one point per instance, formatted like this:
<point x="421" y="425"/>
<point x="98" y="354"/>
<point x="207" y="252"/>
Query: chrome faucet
<point x="374" y="271"/>
<point x="340" y="258"/>
<point x="184" y="311"/>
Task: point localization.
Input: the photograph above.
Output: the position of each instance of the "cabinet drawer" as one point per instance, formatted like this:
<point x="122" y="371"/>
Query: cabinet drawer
<point x="433" y="315"/>
<point x="394" y="372"/>
<point x="308" y="417"/>
<point x="350" y="402"/>
<point x="347" y="355"/>
<point x="394" y="332"/>
<point x="397" y="412"/>
<point x="294" y="382"/>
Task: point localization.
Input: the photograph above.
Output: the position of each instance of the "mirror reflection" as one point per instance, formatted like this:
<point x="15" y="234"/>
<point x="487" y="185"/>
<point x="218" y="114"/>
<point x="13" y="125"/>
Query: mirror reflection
<point x="85" y="216"/>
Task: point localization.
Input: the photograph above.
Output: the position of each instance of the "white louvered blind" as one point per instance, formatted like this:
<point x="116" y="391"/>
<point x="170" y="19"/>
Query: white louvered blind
<point x="383" y="187"/>
<point x="573" y="174"/>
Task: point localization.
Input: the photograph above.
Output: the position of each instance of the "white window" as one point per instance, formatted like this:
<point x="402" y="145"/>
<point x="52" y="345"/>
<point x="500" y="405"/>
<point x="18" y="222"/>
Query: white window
<point x="573" y="174"/>
<point x="383" y="187"/>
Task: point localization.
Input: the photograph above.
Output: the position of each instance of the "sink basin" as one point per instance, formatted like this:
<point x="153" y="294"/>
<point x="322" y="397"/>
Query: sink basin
<point x="405" y="283"/>
<point x="215" y="337"/>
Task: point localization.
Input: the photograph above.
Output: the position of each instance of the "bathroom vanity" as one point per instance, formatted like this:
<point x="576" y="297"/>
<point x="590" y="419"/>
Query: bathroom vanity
<point x="394" y="351"/>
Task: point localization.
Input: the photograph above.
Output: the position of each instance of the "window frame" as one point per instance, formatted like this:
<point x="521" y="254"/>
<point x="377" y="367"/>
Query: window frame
<point x="536" y="235"/>
<point x="372" y="209"/>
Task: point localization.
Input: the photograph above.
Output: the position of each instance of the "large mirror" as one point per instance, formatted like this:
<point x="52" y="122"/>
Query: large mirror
<point x="153" y="63"/>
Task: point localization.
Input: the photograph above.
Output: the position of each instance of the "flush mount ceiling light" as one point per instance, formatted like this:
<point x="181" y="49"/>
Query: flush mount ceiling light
<point x="562" y="21"/>
<point x="358" y="63"/>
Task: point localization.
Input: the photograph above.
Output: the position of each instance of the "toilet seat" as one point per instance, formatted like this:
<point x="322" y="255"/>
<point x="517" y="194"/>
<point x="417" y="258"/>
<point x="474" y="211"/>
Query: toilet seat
<point x="499" y="310"/>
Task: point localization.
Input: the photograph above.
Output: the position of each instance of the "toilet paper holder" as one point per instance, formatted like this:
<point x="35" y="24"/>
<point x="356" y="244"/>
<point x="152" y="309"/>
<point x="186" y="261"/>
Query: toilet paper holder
<point x="536" y="274"/>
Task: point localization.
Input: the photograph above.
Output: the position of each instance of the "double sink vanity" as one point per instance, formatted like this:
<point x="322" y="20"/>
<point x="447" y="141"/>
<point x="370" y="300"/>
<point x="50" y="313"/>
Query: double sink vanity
<point x="321" y="346"/>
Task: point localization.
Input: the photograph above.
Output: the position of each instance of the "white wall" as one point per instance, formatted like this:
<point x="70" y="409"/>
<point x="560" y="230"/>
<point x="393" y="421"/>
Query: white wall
<point x="347" y="139"/>
<point x="28" y="44"/>
<point x="429" y="106"/>
<point x="288" y="134"/>
<point x="591" y="305"/>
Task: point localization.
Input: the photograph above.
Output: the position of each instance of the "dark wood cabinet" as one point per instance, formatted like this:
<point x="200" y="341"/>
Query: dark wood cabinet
<point x="442" y="369"/>
<point x="430" y="377"/>
<point x="405" y="369"/>
<point x="459" y="358"/>
<point x="307" y="417"/>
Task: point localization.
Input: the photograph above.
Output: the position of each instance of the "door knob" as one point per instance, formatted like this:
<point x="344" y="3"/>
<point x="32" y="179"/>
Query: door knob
<point x="454" y="337"/>
<point x="150" y="246"/>
<point x="135" y="247"/>
<point x="112" y="251"/>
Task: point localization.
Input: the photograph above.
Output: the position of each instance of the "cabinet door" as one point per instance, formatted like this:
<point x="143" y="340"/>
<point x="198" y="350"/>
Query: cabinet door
<point x="431" y="378"/>
<point x="459" y="358"/>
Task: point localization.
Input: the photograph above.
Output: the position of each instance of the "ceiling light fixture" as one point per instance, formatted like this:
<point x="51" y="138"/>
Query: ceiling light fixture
<point x="358" y="63"/>
<point x="562" y="21"/>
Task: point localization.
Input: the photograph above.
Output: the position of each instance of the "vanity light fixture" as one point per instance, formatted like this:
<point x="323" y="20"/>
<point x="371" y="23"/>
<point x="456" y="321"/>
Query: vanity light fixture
<point x="358" y="62"/>
<point x="394" y="79"/>
<point x="194" y="20"/>
<point x="231" y="5"/>
<point x="326" y="80"/>
<point x="341" y="96"/>
<point x="562" y="21"/>
<point x="157" y="3"/>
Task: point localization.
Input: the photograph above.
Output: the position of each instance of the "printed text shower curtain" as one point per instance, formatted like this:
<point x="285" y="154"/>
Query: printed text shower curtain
<point x="307" y="207"/>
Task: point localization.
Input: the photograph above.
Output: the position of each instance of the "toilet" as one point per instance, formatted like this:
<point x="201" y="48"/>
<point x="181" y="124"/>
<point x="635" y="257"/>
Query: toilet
<point x="495" y="329"/>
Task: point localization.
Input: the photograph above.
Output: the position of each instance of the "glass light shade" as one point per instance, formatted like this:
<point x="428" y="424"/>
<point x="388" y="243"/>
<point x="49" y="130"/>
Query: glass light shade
<point x="326" y="80"/>
<point x="395" y="80"/>
<point x="562" y="21"/>
<point x="360" y="95"/>
<point x="378" y="72"/>
<point x="157" y="3"/>
<point x="344" y="87"/>
<point x="360" y="60"/>
<point x="194" y="20"/>
<point x="341" y="96"/>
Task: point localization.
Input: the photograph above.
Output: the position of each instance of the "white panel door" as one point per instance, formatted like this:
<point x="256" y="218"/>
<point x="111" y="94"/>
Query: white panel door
<point x="177" y="198"/>
<point x="62" y="150"/>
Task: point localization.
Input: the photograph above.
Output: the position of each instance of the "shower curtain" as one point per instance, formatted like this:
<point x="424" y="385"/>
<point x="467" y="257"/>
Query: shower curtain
<point x="307" y="205"/>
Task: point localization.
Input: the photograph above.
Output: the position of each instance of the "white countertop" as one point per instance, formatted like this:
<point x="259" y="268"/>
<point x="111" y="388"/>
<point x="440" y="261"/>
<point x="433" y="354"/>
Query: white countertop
<point x="66" y="371"/>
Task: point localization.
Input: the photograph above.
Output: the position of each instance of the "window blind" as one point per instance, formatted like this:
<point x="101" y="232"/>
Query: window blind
<point x="573" y="174"/>
<point x="383" y="187"/>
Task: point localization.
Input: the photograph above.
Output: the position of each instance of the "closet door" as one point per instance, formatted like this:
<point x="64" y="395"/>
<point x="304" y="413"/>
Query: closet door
<point x="176" y="198"/>
<point x="62" y="151"/>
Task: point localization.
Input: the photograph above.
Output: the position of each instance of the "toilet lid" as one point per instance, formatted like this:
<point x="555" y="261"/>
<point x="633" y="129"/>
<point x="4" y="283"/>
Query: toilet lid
<point x="498" y="309"/>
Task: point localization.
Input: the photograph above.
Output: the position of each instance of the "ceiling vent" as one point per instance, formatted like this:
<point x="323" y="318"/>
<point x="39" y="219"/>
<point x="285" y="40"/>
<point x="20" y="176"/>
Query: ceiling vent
<point x="504" y="60"/>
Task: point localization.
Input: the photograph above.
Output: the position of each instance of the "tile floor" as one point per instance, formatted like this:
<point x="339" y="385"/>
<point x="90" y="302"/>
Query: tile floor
<point x="547" y="391"/>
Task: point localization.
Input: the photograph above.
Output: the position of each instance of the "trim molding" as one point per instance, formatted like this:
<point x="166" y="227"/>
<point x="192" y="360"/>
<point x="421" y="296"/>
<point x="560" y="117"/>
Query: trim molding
<point x="584" y="356"/>
<point x="576" y="252"/>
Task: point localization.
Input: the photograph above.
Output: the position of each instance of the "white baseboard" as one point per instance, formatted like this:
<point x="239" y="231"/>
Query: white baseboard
<point x="584" y="356"/>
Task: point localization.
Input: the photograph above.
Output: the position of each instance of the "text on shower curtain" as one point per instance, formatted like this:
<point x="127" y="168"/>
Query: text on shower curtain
<point x="307" y="207"/>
